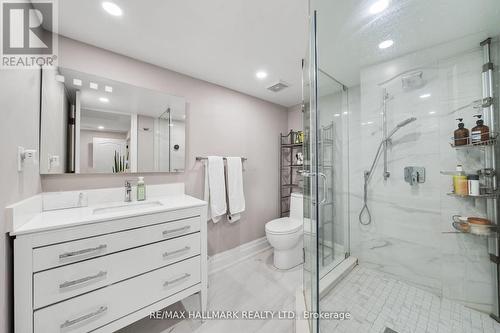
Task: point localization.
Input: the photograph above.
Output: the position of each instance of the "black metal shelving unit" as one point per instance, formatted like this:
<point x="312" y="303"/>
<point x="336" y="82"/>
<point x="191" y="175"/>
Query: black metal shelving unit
<point x="290" y="180"/>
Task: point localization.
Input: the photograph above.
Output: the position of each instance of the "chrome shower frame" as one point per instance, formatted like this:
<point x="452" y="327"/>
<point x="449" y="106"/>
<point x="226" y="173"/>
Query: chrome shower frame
<point x="490" y="158"/>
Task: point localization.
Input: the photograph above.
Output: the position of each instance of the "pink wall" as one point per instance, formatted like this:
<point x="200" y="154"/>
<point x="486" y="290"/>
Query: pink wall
<point x="295" y="115"/>
<point x="20" y="103"/>
<point x="220" y="121"/>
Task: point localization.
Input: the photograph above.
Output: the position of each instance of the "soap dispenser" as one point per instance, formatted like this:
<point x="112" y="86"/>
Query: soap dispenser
<point x="480" y="133"/>
<point x="461" y="134"/>
<point x="141" y="189"/>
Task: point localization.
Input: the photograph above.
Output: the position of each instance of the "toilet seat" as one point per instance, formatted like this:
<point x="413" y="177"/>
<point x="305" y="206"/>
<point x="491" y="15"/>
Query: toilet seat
<point x="283" y="226"/>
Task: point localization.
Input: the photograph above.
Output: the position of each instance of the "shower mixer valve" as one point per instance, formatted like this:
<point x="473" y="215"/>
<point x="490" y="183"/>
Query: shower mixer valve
<point x="414" y="175"/>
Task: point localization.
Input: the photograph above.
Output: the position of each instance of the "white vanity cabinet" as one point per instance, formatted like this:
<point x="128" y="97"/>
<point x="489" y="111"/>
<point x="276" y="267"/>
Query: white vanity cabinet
<point x="100" y="276"/>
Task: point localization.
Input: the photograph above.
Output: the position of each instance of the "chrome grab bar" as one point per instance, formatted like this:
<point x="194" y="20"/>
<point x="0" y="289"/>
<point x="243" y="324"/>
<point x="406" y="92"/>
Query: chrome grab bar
<point x="185" y="276"/>
<point x="68" y="284"/>
<point x="166" y="232"/>
<point x="82" y="252"/>
<point x="75" y="321"/>
<point x="168" y="254"/>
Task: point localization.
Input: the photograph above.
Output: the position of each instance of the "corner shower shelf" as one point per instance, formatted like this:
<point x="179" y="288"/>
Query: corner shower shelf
<point x="492" y="141"/>
<point x="481" y="196"/>
<point x="457" y="226"/>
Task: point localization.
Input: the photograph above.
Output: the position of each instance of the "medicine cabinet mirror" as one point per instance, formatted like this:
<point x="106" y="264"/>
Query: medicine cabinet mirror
<point x="91" y="124"/>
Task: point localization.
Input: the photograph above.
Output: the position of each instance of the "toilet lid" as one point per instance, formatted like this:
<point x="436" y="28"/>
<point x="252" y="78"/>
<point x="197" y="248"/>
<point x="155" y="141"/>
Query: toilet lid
<point x="284" y="225"/>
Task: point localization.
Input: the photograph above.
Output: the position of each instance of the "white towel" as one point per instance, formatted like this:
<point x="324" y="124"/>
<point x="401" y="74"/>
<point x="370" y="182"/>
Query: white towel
<point x="215" y="188"/>
<point x="235" y="195"/>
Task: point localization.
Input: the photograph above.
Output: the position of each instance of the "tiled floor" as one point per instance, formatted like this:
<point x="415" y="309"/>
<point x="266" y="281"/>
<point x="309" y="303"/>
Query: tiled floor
<point x="376" y="301"/>
<point x="251" y="285"/>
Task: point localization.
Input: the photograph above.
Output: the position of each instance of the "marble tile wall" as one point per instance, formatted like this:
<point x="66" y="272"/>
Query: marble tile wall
<point x="409" y="234"/>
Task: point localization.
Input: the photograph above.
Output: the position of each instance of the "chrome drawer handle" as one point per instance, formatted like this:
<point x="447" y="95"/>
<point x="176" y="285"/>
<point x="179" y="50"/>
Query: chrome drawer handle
<point x="82" y="252"/>
<point x="82" y="280"/>
<point x="166" y="232"/>
<point x="169" y="254"/>
<point x="185" y="276"/>
<point x="72" y="322"/>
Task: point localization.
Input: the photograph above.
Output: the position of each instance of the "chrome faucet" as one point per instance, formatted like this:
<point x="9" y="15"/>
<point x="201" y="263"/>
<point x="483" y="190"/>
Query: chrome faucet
<point x="128" y="191"/>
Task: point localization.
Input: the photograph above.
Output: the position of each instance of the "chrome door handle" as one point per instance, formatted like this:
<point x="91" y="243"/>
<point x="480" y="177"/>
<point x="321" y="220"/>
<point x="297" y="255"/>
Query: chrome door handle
<point x="169" y="254"/>
<point x="82" y="252"/>
<point x="75" y="321"/>
<point x="68" y="284"/>
<point x="171" y="231"/>
<point x="185" y="276"/>
<point x="325" y="189"/>
<point x="306" y="173"/>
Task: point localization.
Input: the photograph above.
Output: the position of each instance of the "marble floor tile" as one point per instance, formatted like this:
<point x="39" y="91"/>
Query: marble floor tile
<point x="251" y="285"/>
<point x="377" y="301"/>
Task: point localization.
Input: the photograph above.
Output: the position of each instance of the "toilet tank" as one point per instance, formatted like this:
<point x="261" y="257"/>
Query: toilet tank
<point x="296" y="206"/>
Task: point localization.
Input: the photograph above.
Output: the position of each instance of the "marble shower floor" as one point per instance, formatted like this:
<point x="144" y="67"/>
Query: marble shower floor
<point x="377" y="300"/>
<point x="251" y="285"/>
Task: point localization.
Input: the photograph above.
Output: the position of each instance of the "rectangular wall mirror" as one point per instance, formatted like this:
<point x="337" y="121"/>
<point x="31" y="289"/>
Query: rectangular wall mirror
<point x="91" y="124"/>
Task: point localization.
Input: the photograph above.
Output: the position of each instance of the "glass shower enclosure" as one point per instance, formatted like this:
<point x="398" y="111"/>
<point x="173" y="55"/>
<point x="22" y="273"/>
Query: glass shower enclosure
<point x="389" y="236"/>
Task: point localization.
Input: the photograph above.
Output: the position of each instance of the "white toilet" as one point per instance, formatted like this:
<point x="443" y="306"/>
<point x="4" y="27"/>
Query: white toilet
<point x="285" y="235"/>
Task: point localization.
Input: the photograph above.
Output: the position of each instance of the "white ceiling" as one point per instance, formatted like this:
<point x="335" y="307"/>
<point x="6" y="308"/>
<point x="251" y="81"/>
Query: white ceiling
<point x="348" y="34"/>
<point x="220" y="41"/>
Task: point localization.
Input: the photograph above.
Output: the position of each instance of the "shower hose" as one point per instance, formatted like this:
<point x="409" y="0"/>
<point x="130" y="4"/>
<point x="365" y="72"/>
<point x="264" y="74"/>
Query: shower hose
<point x="365" y="204"/>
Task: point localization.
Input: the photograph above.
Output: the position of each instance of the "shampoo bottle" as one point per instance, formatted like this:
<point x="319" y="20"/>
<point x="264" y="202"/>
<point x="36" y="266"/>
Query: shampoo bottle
<point x="460" y="185"/>
<point x="480" y="133"/>
<point x="461" y="134"/>
<point x="141" y="189"/>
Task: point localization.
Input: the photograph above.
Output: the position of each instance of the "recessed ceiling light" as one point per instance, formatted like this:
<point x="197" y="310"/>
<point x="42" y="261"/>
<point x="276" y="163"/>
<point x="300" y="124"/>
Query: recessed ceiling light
<point x="60" y="78"/>
<point x="112" y="8"/>
<point x="379" y="6"/>
<point x="432" y="112"/>
<point x="100" y="127"/>
<point x="261" y="75"/>
<point x="385" y="44"/>
<point x="108" y="89"/>
<point x="425" y="95"/>
<point x="104" y="99"/>
<point x="77" y="82"/>
<point x="337" y="115"/>
<point x="93" y="85"/>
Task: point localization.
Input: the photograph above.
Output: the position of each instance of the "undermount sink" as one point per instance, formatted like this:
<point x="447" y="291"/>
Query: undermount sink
<point x="127" y="207"/>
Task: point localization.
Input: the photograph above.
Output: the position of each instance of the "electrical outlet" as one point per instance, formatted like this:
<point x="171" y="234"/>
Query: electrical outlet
<point x="23" y="155"/>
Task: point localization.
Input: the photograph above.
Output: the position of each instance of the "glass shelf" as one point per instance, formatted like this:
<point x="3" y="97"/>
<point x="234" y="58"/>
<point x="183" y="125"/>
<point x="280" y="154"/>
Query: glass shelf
<point x="492" y="141"/>
<point x="481" y="196"/>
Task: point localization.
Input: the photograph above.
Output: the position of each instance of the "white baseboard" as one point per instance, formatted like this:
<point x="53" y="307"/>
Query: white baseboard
<point x="228" y="258"/>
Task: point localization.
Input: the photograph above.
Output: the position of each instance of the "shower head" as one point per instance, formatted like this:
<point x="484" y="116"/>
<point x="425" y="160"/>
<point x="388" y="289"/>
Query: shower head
<point x="413" y="81"/>
<point x="400" y="125"/>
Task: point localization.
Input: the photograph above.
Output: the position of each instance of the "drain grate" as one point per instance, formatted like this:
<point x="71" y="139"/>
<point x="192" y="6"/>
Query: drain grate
<point x="388" y="330"/>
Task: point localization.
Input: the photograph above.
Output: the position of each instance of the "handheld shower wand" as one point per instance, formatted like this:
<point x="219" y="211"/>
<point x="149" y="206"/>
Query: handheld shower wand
<point x="368" y="173"/>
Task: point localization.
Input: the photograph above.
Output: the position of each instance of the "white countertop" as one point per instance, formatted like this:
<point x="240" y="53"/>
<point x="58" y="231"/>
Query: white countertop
<point x="64" y="218"/>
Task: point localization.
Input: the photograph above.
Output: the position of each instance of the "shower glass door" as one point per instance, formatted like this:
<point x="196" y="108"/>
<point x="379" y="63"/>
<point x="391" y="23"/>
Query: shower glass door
<point x="326" y="209"/>
<point x="330" y="155"/>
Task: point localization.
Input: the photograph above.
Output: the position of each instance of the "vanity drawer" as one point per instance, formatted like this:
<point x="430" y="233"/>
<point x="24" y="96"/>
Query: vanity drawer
<point x="70" y="252"/>
<point x="95" y="309"/>
<point x="61" y="283"/>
